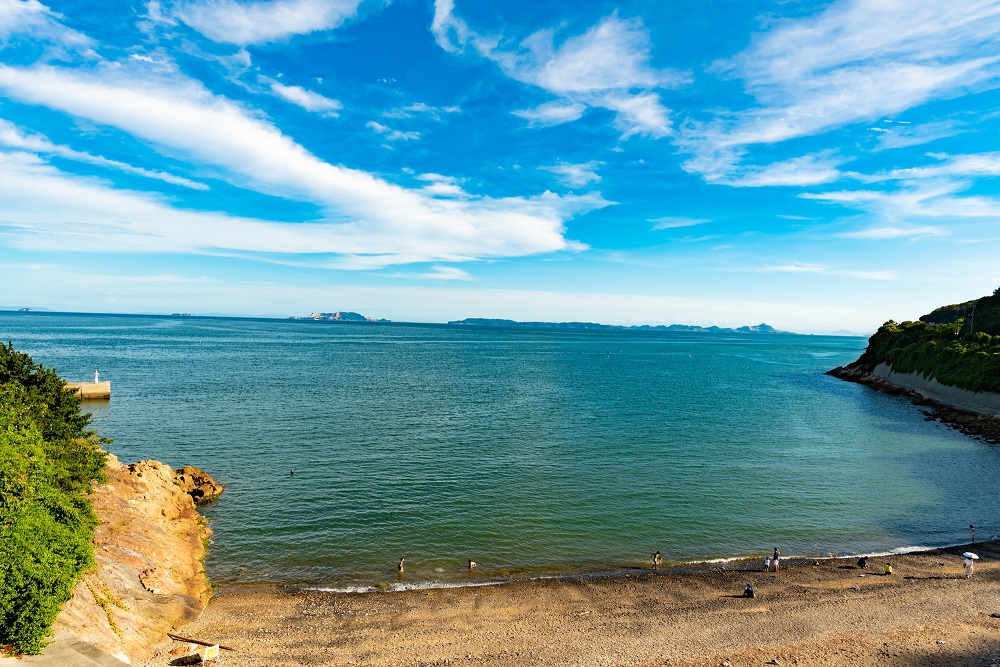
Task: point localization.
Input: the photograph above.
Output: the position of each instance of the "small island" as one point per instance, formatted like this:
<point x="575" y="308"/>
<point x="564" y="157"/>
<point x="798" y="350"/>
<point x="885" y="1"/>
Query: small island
<point x="339" y="316"/>
<point x="685" y="328"/>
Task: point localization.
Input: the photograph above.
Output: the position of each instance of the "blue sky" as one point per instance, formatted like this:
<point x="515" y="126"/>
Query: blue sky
<point x="813" y="165"/>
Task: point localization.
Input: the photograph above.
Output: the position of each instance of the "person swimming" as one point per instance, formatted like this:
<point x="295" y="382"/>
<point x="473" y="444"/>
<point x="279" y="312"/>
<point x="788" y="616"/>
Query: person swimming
<point x="472" y="564"/>
<point x="400" y="566"/>
<point x="657" y="559"/>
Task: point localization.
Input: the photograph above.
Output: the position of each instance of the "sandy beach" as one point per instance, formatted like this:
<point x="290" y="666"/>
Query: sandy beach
<point x="825" y="612"/>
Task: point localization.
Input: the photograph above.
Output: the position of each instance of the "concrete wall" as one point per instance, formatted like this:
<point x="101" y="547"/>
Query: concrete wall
<point x="980" y="401"/>
<point x="89" y="390"/>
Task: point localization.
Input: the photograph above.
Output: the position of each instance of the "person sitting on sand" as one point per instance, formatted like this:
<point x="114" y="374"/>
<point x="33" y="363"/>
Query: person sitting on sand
<point x="863" y="562"/>
<point x="749" y="592"/>
<point x="657" y="559"/>
<point x="888" y="569"/>
<point x="472" y="564"/>
<point x="400" y="566"/>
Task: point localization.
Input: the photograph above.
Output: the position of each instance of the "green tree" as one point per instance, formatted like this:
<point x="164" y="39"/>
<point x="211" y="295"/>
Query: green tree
<point x="73" y="448"/>
<point x="48" y="460"/>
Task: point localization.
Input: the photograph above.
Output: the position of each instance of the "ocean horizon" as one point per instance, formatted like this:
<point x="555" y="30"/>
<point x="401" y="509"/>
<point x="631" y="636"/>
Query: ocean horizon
<point x="536" y="453"/>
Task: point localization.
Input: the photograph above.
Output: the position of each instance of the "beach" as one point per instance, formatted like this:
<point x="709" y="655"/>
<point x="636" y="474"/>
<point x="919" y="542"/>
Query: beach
<point x="813" y="612"/>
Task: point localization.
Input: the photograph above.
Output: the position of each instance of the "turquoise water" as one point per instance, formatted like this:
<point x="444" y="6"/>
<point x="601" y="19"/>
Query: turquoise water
<point x="531" y="452"/>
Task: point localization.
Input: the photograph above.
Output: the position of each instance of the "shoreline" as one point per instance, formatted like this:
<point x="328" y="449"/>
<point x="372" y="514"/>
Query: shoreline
<point x="748" y="564"/>
<point x="813" y="612"/>
<point x="979" y="425"/>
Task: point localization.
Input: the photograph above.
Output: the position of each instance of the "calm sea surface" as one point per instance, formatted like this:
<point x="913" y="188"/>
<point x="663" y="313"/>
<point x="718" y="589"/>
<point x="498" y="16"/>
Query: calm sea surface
<point x="532" y="452"/>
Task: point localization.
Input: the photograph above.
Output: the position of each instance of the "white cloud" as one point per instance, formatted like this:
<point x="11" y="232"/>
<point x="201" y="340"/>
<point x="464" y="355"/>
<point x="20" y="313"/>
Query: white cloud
<point x="33" y="19"/>
<point x="551" y="113"/>
<point x="602" y="68"/>
<point x="675" y="222"/>
<point x="904" y="137"/>
<point x="857" y="60"/>
<point x="439" y="272"/>
<point x="390" y="134"/>
<point x="795" y="267"/>
<point x="421" y="108"/>
<point x="802" y="267"/>
<point x="307" y="99"/>
<point x="575" y="175"/>
<point x="969" y="165"/>
<point x="813" y="169"/>
<point x="261" y="21"/>
<point x="365" y="220"/>
<point x="898" y="232"/>
<point x="12" y="137"/>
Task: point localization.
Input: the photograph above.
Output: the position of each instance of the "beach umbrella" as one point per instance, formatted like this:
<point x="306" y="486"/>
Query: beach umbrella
<point x="969" y="554"/>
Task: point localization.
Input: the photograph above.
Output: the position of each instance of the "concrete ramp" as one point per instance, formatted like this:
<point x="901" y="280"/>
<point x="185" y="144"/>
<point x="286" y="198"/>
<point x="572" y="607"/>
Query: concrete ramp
<point x="66" y="651"/>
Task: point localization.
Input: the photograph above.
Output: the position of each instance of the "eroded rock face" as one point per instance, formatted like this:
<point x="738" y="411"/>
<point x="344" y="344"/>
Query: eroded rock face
<point x="150" y="576"/>
<point x="199" y="485"/>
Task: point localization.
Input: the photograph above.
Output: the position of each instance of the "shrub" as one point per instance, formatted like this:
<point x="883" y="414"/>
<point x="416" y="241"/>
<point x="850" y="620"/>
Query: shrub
<point x="48" y="460"/>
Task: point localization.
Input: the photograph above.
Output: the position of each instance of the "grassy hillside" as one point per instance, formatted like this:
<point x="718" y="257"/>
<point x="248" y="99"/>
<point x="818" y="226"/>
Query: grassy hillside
<point x="959" y="345"/>
<point x="48" y="460"/>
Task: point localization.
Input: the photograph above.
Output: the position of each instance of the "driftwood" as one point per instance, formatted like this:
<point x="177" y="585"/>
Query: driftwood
<point x="197" y="641"/>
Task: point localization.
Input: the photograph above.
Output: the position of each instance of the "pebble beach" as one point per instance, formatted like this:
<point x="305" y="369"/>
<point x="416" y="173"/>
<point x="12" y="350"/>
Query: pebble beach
<point x="813" y="612"/>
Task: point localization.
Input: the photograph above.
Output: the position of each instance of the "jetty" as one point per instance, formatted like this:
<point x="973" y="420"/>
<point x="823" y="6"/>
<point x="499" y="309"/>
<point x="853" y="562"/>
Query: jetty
<point x="91" y="390"/>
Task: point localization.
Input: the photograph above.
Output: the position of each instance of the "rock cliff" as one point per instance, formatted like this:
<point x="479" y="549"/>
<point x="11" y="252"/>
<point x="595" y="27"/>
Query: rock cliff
<point x="150" y="576"/>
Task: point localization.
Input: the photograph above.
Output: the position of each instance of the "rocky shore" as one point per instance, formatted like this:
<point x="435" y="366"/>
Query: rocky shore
<point x="150" y="547"/>
<point x="985" y="427"/>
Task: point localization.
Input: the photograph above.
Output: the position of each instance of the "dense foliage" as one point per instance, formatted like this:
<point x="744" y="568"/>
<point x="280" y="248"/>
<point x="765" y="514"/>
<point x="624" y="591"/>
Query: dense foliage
<point x="48" y="460"/>
<point x="959" y="345"/>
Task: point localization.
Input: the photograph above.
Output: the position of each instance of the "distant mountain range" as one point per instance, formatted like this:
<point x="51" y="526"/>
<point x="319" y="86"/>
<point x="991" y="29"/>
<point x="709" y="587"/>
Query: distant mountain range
<point x="339" y="316"/>
<point x="484" y="322"/>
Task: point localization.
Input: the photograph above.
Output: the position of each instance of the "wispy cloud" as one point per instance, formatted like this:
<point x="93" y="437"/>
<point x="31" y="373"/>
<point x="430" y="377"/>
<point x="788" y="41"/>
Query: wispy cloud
<point x="801" y="267"/>
<point x="801" y="171"/>
<point x="607" y="67"/>
<point x="421" y="109"/>
<point x="366" y="220"/>
<point x="261" y="21"/>
<point x="552" y="113"/>
<point x="575" y="175"/>
<point x="675" y="222"/>
<point x="12" y="137"/>
<point x="857" y="60"/>
<point x="307" y="99"/>
<point x="898" y="232"/>
<point x="390" y="134"/>
<point x="30" y="18"/>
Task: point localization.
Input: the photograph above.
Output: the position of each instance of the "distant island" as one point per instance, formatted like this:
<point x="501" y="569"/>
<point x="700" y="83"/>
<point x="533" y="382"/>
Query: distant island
<point x="486" y="322"/>
<point x="339" y="316"/>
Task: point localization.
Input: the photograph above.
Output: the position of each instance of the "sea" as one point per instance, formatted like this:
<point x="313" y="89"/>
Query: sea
<point x="536" y="453"/>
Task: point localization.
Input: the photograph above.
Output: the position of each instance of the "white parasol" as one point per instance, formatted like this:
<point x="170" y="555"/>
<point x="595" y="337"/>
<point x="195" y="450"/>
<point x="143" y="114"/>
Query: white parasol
<point x="969" y="554"/>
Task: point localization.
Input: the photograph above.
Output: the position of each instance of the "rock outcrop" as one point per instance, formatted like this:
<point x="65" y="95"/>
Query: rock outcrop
<point x="197" y="484"/>
<point x="150" y="576"/>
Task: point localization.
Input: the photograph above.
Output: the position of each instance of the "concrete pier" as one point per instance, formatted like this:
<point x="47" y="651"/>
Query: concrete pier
<point x="90" y="390"/>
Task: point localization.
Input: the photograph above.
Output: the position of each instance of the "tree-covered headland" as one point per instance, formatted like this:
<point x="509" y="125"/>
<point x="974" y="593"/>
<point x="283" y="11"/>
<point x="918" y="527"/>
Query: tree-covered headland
<point x="48" y="460"/>
<point x="959" y="345"/>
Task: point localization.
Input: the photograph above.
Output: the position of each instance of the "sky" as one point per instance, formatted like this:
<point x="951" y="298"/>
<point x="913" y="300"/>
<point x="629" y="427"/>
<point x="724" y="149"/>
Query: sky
<point x="816" y="166"/>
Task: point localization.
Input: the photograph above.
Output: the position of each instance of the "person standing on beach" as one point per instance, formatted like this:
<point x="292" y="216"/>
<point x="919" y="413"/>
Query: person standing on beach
<point x="776" y="558"/>
<point x="968" y="567"/>
<point x="767" y="564"/>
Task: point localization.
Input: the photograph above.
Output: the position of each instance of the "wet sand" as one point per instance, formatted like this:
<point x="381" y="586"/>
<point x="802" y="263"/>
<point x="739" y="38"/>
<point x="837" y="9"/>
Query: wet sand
<point x="826" y="613"/>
